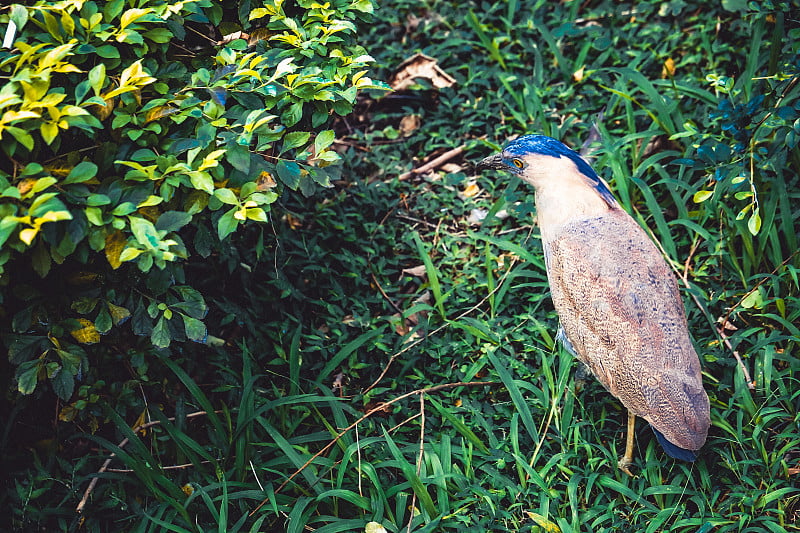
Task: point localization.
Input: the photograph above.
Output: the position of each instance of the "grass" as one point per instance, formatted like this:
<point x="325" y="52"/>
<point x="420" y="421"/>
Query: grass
<point x="377" y="302"/>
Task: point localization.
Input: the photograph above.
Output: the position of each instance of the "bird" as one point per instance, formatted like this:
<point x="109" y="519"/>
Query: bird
<point x="617" y="300"/>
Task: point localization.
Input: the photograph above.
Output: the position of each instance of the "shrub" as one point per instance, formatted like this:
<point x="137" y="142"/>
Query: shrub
<point x="140" y="135"/>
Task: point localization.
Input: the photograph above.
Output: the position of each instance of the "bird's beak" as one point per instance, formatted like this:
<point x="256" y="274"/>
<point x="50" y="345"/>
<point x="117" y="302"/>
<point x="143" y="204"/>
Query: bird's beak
<point x="492" y="162"/>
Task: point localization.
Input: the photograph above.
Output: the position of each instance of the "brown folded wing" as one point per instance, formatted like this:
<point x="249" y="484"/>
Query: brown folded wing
<point x="620" y="308"/>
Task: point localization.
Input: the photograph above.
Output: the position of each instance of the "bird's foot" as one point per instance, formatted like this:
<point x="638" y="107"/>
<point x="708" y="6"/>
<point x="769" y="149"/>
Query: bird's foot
<point x="624" y="464"/>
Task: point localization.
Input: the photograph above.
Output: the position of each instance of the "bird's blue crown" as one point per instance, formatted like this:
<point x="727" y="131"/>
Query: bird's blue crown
<point x="544" y="145"/>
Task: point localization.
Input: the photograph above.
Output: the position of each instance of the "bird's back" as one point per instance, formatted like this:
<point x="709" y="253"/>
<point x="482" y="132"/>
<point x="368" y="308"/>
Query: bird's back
<point x="621" y="311"/>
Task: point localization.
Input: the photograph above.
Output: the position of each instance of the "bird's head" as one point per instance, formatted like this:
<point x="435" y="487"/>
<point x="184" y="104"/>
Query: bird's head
<point x="545" y="162"/>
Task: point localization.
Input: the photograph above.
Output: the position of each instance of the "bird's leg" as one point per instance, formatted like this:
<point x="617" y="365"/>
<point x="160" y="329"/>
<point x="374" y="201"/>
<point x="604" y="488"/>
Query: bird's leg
<point x="627" y="459"/>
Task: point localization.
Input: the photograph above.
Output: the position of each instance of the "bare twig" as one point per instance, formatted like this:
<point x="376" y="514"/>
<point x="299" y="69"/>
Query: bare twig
<point x="434" y="163"/>
<point x="437" y="330"/>
<point x="122" y="444"/>
<point x="381" y="407"/>
<point x="168" y="467"/>
<point x="419" y="457"/>
<point x="386" y="296"/>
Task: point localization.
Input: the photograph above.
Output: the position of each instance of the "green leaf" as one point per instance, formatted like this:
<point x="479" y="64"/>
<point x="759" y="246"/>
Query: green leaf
<point x="172" y="221"/>
<point x="144" y="231"/>
<point x="63" y="384"/>
<point x="118" y="313"/>
<point x="40" y="260"/>
<point x="292" y="115"/>
<point x="22" y="136"/>
<point x="108" y="51"/>
<point x="294" y="139"/>
<point x="125" y="208"/>
<point x="226" y="196"/>
<point x="83" y="171"/>
<point x="19" y="16"/>
<point x="94" y="215"/>
<point x="238" y="156"/>
<point x="195" y="329"/>
<point x="289" y="173"/>
<point x="69" y="361"/>
<point x="323" y="140"/>
<point x="28" y="376"/>
<point x="160" y="336"/>
<point x="227" y="224"/>
<point x="193" y="303"/>
<point x="97" y="78"/>
<point x="202" y="181"/>
<point x="95" y="200"/>
<point x="7" y="227"/>
<point x="159" y="35"/>
<point x="103" y="321"/>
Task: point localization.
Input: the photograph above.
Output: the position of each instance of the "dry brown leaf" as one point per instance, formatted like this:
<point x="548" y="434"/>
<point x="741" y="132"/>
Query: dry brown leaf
<point x="381" y="408"/>
<point x="294" y="222"/>
<point x="409" y="123"/>
<point x="25" y="185"/>
<point x="417" y="271"/>
<point x="401" y="327"/>
<point x="160" y="112"/>
<point x="337" y="386"/>
<point x="232" y="37"/>
<point x="265" y="181"/>
<point x="451" y="168"/>
<point x="420" y="66"/>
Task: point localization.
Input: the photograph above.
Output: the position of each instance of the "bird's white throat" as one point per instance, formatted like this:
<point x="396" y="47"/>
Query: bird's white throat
<point x="563" y="194"/>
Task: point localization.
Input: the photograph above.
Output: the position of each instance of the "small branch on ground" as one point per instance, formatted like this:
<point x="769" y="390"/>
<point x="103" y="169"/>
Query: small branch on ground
<point x="381" y="407"/>
<point x="434" y="163"/>
<point x="122" y="444"/>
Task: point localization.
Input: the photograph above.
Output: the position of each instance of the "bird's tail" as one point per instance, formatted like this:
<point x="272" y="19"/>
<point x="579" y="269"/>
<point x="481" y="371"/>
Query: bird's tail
<point x="673" y="450"/>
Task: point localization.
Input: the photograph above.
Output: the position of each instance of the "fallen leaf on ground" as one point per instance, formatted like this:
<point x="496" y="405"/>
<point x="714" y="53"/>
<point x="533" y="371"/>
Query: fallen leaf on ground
<point x="420" y="66"/>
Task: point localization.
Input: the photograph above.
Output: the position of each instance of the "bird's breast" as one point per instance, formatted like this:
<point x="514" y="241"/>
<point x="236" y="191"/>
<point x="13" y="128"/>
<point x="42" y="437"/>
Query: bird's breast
<point x="567" y="205"/>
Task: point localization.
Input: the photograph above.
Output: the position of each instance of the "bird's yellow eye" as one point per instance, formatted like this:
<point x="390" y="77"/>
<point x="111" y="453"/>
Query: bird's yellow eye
<point x="517" y="163"/>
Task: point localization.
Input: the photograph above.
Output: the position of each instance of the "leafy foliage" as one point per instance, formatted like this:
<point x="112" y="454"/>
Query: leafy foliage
<point x="360" y="298"/>
<point x="127" y="149"/>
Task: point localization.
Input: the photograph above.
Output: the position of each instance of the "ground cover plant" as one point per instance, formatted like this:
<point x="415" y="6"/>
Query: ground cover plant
<point x="386" y="354"/>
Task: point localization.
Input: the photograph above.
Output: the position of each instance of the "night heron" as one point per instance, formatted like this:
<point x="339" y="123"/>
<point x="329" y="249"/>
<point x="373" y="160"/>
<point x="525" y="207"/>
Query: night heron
<point x="617" y="299"/>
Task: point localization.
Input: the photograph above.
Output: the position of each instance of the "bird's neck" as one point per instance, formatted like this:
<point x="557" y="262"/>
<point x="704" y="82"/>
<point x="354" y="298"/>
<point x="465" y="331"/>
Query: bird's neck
<point x="570" y="202"/>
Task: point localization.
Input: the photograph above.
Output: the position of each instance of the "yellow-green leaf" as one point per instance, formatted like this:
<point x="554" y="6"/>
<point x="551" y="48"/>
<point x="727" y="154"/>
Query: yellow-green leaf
<point x="150" y="201"/>
<point x="754" y="223"/>
<point x="374" y="527"/>
<point x="129" y="254"/>
<point x="211" y="160"/>
<point x="544" y="523"/>
<point x="160" y="112"/>
<point x="115" y="242"/>
<point x="258" y="13"/>
<point x="87" y="334"/>
<point x="13" y="116"/>
<point x="118" y="313"/>
<point x="28" y="234"/>
<point x="49" y="131"/>
<point x="132" y="15"/>
<point x="702" y="196"/>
